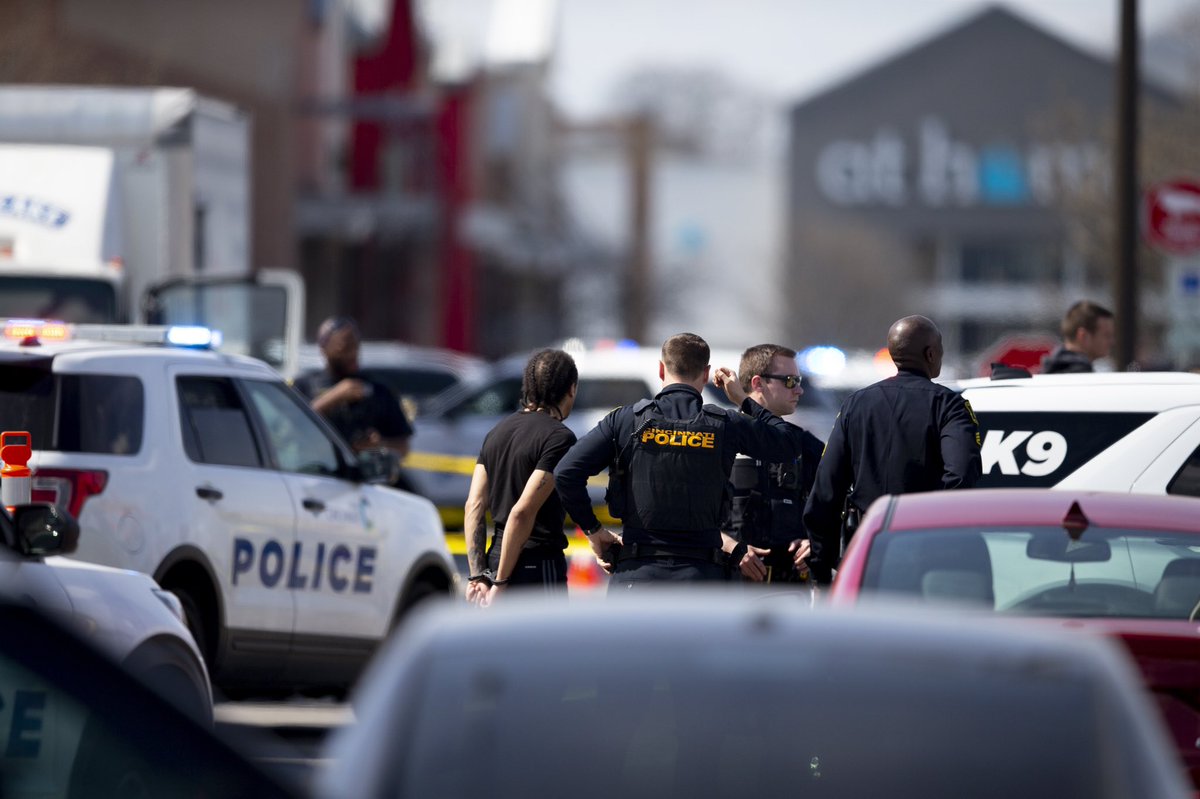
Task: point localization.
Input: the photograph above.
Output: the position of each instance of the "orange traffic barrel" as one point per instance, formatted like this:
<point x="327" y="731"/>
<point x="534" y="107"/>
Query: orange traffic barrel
<point x="15" y="478"/>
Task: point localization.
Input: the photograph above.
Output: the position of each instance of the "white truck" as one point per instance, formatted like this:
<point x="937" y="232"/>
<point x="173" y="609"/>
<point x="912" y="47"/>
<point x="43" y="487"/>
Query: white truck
<point x="122" y="204"/>
<point x="105" y="191"/>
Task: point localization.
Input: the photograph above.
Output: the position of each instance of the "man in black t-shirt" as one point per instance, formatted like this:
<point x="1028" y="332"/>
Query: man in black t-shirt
<point x="514" y="479"/>
<point x="364" y="411"/>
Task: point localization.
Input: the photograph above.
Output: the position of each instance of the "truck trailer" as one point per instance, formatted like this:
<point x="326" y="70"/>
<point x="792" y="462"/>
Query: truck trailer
<point x="106" y="191"/>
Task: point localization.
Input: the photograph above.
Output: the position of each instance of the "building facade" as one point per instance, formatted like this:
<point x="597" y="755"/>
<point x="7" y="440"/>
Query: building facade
<point x="968" y="179"/>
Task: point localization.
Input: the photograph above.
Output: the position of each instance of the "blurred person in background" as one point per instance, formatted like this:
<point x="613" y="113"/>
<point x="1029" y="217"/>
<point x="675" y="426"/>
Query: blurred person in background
<point x="1088" y="333"/>
<point x="514" y="479"/>
<point x="365" y="412"/>
<point x="766" y="514"/>
<point x="901" y="435"/>
<point x="669" y="460"/>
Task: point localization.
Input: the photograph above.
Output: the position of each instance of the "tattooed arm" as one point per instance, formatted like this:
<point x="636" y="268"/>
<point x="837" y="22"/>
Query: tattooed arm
<point x="475" y="531"/>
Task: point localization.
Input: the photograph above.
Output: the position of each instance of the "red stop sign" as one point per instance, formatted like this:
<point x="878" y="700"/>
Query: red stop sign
<point x="1171" y="216"/>
<point x="1023" y="351"/>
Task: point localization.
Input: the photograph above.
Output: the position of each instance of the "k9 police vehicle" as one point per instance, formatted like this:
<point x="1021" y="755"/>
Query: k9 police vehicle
<point x="43" y="746"/>
<point x="208" y="472"/>
<point x="1137" y="432"/>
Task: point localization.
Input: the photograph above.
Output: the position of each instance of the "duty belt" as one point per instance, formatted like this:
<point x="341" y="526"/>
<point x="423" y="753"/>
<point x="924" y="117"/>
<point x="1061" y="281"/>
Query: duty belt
<point x="711" y="554"/>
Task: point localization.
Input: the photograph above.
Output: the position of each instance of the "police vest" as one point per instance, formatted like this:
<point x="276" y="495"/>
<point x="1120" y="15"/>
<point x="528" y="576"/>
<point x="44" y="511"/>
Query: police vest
<point x="768" y="501"/>
<point x="669" y="473"/>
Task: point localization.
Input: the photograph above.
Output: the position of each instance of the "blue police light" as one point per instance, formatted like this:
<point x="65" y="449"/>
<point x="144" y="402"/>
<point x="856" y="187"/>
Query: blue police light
<point x="193" y="336"/>
<point x="822" y="361"/>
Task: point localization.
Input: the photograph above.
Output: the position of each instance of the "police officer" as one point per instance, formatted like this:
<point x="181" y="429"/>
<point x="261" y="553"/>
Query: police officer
<point x="364" y="411"/>
<point x="900" y="435"/>
<point x="768" y="498"/>
<point x="1088" y="332"/>
<point x="670" y="459"/>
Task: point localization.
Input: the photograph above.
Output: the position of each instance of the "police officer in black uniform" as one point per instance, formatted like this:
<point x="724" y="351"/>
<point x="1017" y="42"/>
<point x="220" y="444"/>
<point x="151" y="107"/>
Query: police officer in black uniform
<point x="670" y="459"/>
<point x="768" y="498"/>
<point x="900" y="435"/>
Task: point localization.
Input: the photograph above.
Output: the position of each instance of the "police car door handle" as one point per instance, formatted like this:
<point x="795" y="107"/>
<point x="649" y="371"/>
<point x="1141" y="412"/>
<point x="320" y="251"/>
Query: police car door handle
<point x="209" y="493"/>
<point x="314" y="505"/>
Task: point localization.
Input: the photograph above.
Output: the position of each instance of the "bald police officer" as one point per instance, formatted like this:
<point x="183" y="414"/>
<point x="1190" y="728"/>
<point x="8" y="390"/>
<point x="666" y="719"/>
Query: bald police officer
<point x="670" y="459"/>
<point x="900" y="435"/>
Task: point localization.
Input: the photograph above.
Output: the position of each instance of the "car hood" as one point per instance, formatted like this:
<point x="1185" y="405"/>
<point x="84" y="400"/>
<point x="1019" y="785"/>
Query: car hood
<point x="116" y="608"/>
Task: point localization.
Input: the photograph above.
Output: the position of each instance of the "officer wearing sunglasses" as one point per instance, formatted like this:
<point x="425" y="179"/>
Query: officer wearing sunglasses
<point x="768" y="498"/>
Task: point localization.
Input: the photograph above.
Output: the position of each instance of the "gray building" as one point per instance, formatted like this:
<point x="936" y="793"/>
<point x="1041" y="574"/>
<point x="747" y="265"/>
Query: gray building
<point x="956" y="179"/>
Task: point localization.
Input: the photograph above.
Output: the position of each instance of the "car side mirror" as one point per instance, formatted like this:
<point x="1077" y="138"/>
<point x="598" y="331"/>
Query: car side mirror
<point x="44" y="529"/>
<point x="380" y="465"/>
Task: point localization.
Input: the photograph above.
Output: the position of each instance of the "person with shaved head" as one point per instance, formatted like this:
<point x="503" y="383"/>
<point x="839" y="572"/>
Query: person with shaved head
<point x="898" y="436"/>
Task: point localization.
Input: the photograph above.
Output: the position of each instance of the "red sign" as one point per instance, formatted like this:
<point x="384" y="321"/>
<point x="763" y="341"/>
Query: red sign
<point x="1171" y="216"/>
<point x="1024" y="351"/>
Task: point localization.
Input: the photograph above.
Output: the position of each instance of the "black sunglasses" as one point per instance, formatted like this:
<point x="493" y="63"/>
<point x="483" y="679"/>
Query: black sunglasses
<point x="789" y="381"/>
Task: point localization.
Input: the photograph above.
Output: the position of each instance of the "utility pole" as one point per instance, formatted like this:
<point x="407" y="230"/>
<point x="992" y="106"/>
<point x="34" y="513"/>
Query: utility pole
<point x="639" y="140"/>
<point x="636" y="134"/>
<point x="1127" y="191"/>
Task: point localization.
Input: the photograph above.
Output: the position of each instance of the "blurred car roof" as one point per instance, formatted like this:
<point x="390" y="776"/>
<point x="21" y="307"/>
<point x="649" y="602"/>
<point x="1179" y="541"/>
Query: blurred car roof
<point x="650" y="693"/>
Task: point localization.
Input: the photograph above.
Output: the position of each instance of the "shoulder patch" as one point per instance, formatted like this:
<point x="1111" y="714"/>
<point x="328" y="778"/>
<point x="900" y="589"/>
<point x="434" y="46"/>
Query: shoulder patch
<point x="971" y="412"/>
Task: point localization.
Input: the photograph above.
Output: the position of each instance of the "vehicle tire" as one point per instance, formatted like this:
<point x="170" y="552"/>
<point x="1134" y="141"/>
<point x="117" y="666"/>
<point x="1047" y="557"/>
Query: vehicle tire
<point x="420" y="593"/>
<point x="200" y="618"/>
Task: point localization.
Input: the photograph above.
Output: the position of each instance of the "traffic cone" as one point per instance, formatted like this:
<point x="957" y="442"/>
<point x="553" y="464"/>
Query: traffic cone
<point x="16" y="486"/>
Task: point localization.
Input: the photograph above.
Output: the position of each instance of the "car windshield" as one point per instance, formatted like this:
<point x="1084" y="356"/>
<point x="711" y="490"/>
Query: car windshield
<point x="69" y="300"/>
<point x="655" y="723"/>
<point x="1043" y="571"/>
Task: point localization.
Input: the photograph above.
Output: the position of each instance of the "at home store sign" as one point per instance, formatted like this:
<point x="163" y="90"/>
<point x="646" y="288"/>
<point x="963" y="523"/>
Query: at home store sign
<point x="935" y="169"/>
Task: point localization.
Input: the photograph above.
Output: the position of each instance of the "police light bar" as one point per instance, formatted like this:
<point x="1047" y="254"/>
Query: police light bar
<point x="823" y="361"/>
<point x="37" y="330"/>
<point x="192" y="336"/>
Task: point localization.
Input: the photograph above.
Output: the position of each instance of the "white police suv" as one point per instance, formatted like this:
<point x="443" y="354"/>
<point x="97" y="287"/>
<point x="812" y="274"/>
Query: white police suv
<point x="1136" y="431"/>
<point x="208" y="472"/>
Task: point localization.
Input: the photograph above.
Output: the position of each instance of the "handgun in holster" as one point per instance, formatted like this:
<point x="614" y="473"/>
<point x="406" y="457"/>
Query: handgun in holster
<point x="612" y="555"/>
<point x="851" y="517"/>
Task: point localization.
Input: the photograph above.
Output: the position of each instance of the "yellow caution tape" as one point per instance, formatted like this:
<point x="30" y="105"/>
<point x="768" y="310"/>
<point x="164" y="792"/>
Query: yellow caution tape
<point x="433" y="462"/>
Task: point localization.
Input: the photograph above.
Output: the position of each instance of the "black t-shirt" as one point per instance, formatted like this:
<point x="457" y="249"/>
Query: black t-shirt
<point x="380" y="410"/>
<point x="515" y="447"/>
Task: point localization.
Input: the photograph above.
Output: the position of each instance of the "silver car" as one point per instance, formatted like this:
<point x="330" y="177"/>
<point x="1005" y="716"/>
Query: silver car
<point x="711" y="695"/>
<point x="124" y="613"/>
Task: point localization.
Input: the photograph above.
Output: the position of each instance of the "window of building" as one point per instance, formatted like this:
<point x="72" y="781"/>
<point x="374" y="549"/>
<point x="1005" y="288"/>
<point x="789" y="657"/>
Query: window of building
<point x="1011" y="262"/>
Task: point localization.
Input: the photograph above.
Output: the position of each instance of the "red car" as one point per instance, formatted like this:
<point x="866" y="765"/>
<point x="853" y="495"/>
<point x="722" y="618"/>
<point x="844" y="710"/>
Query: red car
<point x="1124" y="565"/>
